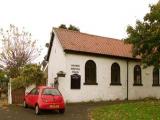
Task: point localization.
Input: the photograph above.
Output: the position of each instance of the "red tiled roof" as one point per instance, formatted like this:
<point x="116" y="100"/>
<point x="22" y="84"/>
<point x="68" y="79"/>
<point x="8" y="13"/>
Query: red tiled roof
<point x="82" y="42"/>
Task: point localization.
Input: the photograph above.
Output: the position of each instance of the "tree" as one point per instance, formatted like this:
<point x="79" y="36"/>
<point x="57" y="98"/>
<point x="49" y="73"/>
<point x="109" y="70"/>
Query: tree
<point x="62" y="26"/>
<point x="29" y="74"/>
<point x="71" y="27"/>
<point x="18" y="49"/>
<point x="145" y="37"/>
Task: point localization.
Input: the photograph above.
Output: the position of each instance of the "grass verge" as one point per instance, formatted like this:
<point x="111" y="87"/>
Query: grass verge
<point x="143" y="110"/>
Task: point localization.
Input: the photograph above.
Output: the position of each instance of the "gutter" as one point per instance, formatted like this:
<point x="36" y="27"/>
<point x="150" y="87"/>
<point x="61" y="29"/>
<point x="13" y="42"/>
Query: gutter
<point x="100" y="55"/>
<point x="127" y="80"/>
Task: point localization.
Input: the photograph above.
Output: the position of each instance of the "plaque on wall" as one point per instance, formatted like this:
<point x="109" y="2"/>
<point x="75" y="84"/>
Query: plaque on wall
<point x="75" y="81"/>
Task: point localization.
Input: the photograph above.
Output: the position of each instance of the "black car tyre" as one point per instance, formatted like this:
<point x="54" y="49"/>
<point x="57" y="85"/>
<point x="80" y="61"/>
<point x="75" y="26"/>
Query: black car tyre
<point x="61" y="111"/>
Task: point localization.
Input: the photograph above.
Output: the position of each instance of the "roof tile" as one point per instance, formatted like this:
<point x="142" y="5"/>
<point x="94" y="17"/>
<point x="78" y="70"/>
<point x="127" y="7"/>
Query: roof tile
<point x="82" y="42"/>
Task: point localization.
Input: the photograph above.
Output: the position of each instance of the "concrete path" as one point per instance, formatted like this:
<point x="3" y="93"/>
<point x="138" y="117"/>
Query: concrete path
<point x="78" y="111"/>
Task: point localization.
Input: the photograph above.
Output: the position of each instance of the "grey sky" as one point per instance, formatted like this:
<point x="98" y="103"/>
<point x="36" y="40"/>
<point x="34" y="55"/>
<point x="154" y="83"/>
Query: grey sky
<point x="101" y="17"/>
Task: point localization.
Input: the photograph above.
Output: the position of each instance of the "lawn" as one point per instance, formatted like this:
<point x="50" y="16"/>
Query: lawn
<point x="143" y="110"/>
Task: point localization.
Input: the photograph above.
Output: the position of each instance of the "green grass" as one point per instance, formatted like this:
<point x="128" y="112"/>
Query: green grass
<point x="143" y="110"/>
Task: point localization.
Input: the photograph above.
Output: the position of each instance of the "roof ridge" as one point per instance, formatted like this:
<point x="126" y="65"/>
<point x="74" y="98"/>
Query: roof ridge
<point x="88" y="43"/>
<point x="88" y="34"/>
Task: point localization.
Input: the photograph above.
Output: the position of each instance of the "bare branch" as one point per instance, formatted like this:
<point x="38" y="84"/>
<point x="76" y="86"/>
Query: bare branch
<point x="18" y="47"/>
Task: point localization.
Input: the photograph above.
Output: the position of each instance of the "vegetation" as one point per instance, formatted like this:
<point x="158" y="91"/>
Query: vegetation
<point x="30" y="74"/>
<point x="145" y="37"/>
<point x="62" y="26"/>
<point x="71" y="27"/>
<point x="3" y="81"/>
<point x="18" y="49"/>
<point x="3" y="76"/>
<point x="144" y="110"/>
<point x="18" y="52"/>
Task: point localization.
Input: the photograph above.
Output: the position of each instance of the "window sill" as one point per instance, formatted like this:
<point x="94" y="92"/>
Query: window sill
<point x="115" y="84"/>
<point x="90" y="84"/>
<point x="75" y="88"/>
<point x="137" y="84"/>
<point x="156" y="85"/>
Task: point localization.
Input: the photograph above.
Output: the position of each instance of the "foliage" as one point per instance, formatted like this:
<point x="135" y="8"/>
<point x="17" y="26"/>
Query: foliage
<point x="47" y="45"/>
<point x="30" y="74"/>
<point x="144" y="110"/>
<point x="18" y="49"/>
<point x="71" y="27"/>
<point x="145" y="37"/>
<point x="44" y="63"/>
<point x="3" y="76"/>
<point x="17" y="82"/>
<point x="3" y="81"/>
<point x="62" y="26"/>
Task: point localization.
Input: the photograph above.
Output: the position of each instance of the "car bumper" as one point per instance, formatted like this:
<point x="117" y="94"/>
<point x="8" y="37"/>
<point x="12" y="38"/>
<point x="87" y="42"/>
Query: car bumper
<point x="51" y="106"/>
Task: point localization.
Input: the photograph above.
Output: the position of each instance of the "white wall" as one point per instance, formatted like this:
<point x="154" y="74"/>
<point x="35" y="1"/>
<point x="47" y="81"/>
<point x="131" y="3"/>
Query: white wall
<point x="56" y="61"/>
<point x="102" y="91"/>
<point x="147" y="90"/>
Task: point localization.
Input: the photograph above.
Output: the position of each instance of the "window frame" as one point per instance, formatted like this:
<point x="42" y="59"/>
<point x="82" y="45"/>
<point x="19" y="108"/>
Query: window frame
<point x="34" y="91"/>
<point x="90" y="67"/>
<point x="135" y="76"/>
<point x="115" y="66"/>
<point x="154" y="83"/>
<point x="59" y="94"/>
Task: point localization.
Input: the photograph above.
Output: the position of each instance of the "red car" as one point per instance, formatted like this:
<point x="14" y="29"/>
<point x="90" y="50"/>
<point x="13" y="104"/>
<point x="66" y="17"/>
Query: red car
<point x="44" y="98"/>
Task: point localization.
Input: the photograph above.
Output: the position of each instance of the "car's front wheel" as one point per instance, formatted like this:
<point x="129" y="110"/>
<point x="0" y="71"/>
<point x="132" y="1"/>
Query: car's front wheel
<point x="37" y="110"/>
<point x="61" y="111"/>
<point x="25" y="104"/>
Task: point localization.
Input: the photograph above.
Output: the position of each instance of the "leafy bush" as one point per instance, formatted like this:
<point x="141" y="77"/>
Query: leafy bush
<point x="29" y="74"/>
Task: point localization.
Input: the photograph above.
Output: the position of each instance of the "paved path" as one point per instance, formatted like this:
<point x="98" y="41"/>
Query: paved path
<point x="77" y="111"/>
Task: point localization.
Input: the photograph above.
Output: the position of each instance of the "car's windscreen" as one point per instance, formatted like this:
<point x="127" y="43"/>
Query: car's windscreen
<point x="50" y="91"/>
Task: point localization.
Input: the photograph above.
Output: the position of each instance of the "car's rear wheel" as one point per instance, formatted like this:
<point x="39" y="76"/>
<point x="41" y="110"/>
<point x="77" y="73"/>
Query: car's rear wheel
<point x="25" y="104"/>
<point x="37" y="110"/>
<point x="61" y="111"/>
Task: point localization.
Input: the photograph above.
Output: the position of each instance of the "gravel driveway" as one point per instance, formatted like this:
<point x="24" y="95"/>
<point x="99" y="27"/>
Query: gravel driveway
<point x="78" y="111"/>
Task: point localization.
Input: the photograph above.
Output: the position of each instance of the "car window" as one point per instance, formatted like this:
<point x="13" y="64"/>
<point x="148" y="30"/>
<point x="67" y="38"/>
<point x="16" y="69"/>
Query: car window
<point x="37" y="91"/>
<point x="34" y="91"/>
<point x="50" y="91"/>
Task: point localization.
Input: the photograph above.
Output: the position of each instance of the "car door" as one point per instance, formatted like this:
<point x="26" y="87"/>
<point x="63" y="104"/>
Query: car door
<point x="35" y="97"/>
<point x="27" y="98"/>
<point x="30" y="97"/>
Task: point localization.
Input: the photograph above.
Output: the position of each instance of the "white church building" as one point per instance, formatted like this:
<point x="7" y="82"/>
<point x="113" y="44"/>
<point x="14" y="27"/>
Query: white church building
<point x="87" y="67"/>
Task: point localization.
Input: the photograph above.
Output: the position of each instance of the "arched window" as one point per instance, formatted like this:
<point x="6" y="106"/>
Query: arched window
<point x="90" y="73"/>
<point x="155" y="77"/>
<point x="137" y="75"/>
<point x="115" y="74"/>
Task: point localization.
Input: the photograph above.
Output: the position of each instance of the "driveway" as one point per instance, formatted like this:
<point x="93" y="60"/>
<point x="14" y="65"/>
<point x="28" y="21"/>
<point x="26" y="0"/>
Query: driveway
<point x="78" y="111"/>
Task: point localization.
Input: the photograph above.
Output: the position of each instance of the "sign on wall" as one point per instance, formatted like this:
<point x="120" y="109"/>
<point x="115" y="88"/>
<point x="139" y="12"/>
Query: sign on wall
<point x="75" y="68"/>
